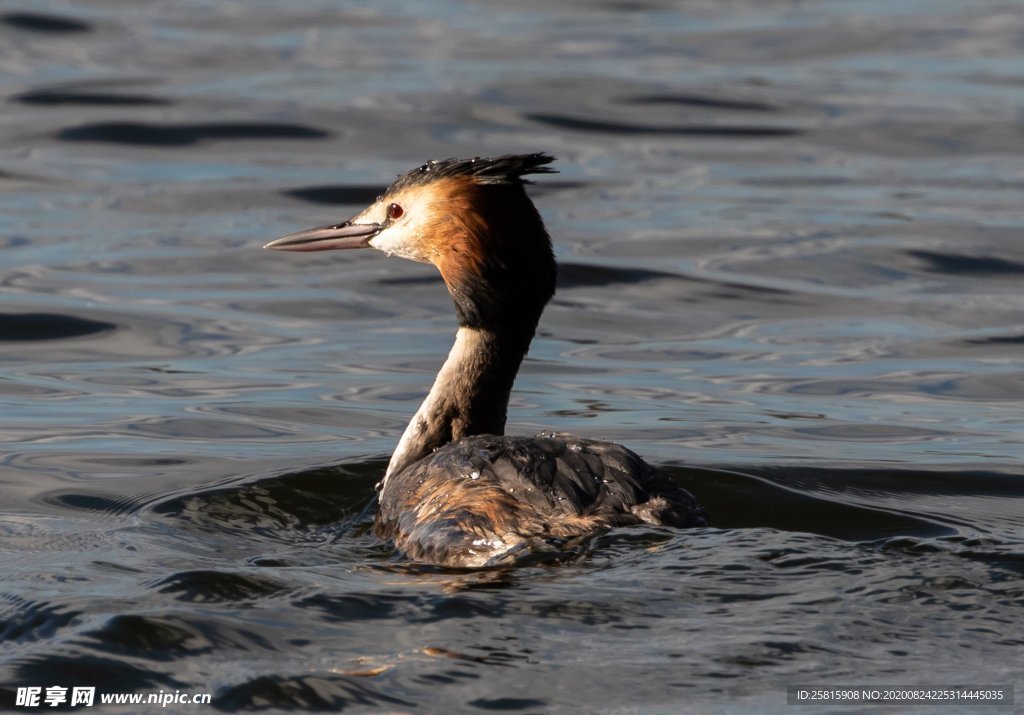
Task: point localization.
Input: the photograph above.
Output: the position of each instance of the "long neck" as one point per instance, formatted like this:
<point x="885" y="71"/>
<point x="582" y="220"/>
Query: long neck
<point x="469" y="397"/>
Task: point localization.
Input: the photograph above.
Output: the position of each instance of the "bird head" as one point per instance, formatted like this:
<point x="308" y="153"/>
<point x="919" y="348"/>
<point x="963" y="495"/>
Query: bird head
<point x="472" y="219"/>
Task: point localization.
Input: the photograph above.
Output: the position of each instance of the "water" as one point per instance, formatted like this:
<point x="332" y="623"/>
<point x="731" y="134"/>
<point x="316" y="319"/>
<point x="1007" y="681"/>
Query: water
<point x="791" y="267"/>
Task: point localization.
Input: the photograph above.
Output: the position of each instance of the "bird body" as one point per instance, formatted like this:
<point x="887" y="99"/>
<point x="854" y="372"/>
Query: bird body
<point x="488" y="499"/>
<point x="456" y="492"/>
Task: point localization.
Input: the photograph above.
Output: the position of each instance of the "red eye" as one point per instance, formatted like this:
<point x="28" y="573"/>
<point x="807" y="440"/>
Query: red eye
<point x="395" y="212"/>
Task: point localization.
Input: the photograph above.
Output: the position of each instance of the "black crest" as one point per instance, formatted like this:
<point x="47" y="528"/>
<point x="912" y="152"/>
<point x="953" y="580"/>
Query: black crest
<point x="507" y="169"/>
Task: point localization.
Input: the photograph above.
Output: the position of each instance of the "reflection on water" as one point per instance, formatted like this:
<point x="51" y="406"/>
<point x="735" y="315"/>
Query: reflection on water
<point x="789" y="238"/>
<point x="140" y="134"/>
<point x="38" y="22"/>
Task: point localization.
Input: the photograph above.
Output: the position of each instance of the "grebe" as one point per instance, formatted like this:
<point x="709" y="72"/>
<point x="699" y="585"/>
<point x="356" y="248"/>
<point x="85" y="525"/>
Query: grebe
<point x="457" y="492"/>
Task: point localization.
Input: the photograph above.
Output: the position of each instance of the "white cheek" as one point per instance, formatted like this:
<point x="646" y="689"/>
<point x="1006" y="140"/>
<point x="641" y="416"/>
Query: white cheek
<point x="397" y="240"/>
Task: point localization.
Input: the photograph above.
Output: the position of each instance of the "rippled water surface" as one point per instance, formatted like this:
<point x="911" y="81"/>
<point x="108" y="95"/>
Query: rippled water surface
<point x="792" y="265"/>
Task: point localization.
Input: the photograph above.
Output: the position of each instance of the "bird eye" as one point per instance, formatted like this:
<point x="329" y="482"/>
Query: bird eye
<point x="395" y="211"/>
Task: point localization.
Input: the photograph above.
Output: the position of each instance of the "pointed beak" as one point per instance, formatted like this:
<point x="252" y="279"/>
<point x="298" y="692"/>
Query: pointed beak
<point x="328" y="238"/>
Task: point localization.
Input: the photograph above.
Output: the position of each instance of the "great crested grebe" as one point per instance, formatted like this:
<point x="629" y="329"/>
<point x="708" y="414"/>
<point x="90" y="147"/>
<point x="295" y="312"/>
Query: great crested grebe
<point x="457" y="492"/>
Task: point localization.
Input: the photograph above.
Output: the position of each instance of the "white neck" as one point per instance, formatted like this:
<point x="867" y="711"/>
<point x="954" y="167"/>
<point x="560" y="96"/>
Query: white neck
<point x="470" y="396"/>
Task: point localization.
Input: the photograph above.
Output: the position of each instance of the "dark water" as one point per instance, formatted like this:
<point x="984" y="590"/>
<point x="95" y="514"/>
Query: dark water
<point x="792" y="253"/>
